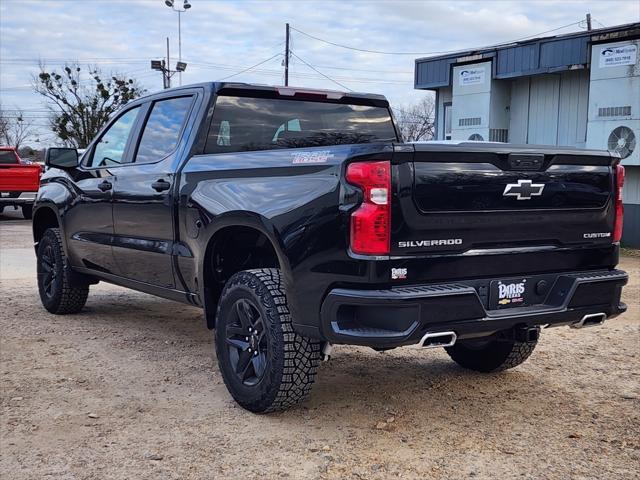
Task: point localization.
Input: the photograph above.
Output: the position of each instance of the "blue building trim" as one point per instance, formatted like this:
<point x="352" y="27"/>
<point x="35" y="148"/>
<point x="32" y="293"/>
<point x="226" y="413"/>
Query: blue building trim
<point x="531" y="57"/>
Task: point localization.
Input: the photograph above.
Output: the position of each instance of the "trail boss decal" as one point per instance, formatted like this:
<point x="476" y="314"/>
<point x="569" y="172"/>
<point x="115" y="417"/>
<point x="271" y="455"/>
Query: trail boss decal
<point x="430" y="243"/>
<point x="322" y="156"/>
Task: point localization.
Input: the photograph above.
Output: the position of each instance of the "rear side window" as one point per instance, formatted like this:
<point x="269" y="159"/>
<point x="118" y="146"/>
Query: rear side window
<point x="245" y="124"/>
<point x="7" y="157"/>
<point x="162" y="131"/>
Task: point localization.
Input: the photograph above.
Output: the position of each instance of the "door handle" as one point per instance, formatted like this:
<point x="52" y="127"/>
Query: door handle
<point x="161" y="185"/>
<point x="104" y="186"/>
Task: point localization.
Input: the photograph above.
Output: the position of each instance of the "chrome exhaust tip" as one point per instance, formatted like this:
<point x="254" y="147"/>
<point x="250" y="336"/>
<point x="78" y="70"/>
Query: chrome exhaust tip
<point x="437" y="340"/>
<point x="591" y="320"/>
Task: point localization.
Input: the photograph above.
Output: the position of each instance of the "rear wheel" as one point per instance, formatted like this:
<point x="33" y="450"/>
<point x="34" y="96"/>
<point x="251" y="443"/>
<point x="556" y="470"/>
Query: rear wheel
<point x="27" y="211"/>
<point x="490" y="355"/>
<point x="54" y="277"/>
<point x="265" y="365"/>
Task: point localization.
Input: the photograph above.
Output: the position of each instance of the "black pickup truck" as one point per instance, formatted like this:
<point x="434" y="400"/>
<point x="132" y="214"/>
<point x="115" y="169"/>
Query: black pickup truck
<point x="297" y="219"/>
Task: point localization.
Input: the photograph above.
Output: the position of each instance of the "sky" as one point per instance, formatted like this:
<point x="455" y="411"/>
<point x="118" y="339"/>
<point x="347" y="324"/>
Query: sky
<point x="222" y="39"/>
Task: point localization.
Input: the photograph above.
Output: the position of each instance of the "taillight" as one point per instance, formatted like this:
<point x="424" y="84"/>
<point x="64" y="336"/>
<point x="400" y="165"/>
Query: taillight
<point x="371" y="222"/>
<point x="617" y="225"/>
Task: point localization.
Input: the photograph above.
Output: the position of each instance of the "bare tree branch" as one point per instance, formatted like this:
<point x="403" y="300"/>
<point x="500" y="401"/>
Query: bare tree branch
<point x="15" y="128"/>
<point x="79" y="108"/>
<point x="416" y="122"/>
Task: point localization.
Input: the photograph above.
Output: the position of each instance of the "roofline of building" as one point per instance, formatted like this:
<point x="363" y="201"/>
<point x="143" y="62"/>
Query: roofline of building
<point x="599" y="32"/>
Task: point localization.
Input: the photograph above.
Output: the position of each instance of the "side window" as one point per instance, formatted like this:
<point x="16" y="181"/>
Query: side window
<point x="110" y="148"/>
<point x="162" y="131"/>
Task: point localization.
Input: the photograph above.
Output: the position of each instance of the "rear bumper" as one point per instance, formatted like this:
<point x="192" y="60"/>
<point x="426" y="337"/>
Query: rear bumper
<point x="403" y="315"/>
<point x="17" y="198"/>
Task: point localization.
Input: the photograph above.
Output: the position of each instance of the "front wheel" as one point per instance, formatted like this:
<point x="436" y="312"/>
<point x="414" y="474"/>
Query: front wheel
<point x="265" y="365"/>
<point x="54" y="277"/>
<point x="492" y="355"/>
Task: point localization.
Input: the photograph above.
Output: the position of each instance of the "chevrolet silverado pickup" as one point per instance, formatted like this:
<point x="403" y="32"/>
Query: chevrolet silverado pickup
<point x="298" y="219"/>
<point x="19" y="181"/>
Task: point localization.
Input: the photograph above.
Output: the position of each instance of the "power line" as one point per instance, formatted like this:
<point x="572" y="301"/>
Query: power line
<point x="316" y="70"/>
<point x="250" y="68"/>
<point x="425" y="53"/>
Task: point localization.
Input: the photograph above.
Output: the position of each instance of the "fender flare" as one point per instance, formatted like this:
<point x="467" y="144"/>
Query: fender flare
<point x="238" y="219"/>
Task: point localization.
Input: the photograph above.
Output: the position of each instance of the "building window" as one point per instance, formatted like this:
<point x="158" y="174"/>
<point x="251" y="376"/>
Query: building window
<point x="447" y="121"/>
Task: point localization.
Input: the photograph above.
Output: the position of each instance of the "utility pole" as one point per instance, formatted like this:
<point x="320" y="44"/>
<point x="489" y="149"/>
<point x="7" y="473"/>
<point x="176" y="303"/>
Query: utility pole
<point x="588" y="22"/>
<point x="167" y="76"/>
<point x="165" y="67"/>
<point x="286" y="58"/>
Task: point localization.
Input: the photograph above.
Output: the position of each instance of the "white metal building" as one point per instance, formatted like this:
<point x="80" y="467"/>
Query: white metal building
<point x="580" y="89"/>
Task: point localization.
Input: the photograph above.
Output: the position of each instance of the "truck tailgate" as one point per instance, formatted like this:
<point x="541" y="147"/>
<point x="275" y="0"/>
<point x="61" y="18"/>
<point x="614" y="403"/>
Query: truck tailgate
<point x="496" y="196"/>
<point x="19" y="178"/>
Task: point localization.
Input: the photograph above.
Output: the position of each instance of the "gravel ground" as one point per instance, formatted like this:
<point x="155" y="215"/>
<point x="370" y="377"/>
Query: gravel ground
<point x="130" y="388"/>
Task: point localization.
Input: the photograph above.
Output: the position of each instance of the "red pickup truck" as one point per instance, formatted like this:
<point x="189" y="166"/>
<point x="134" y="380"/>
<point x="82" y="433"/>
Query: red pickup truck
<point x="19" y="181"/>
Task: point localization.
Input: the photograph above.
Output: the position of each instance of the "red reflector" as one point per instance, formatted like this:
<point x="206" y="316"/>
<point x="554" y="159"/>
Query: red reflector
<point x="371" y="222"/>
<point x="617" y="225"/>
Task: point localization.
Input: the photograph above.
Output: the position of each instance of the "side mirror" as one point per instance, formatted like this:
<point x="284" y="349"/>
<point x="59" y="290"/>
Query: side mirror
<point x="64" y="158"/>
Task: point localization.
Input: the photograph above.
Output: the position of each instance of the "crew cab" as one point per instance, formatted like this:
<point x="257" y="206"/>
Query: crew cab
<point x="298" y="219"/>
<point x="19" y="181"/>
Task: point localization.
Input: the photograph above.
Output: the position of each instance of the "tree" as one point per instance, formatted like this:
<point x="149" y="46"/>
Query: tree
<point x="417" y="122"/>
<point x="79" y="108"/>
<point x="15" y="128"/>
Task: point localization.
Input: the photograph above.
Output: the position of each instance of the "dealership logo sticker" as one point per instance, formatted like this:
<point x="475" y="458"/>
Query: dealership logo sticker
<point x="472" y="76"/>
<point x="311" y="157"/>
<point x="509" y="293"/>
<point x="618" y="56"/>
<point x="398" y="274"/>
<point x="523" y="190"/>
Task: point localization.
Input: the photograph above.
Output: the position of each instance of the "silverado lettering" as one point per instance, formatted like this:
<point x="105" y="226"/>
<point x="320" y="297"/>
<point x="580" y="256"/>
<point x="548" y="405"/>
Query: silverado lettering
<point x="430" y="243"/>
<point x="285" y="215"/>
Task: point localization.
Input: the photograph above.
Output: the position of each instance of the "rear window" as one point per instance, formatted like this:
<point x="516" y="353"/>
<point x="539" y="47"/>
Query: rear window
<point x="246" y="124"/>
<point x="162" y="132"/>
<point x="8" y="157"/>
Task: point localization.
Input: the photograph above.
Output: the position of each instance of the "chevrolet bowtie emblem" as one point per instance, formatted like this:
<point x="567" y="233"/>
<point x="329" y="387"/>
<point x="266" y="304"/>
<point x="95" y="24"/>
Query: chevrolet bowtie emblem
<point x="523" y="190"/>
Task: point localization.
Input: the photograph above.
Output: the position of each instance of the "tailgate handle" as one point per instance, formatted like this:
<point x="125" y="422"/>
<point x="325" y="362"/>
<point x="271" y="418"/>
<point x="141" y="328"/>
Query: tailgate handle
<point x="520" y="161"/>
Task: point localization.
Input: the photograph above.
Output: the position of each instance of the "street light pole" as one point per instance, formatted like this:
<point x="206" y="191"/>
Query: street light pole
<point x="179" y="46"/>
<point x="185" y="6"/>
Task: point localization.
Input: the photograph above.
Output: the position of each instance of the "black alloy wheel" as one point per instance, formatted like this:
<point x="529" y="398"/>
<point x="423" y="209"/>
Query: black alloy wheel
<point x="247" y="342"/>
<point x="48" y="268"/>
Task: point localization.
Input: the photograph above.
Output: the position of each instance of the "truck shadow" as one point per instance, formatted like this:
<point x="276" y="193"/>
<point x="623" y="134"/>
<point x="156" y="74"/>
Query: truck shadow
<point x="421" y="390"/>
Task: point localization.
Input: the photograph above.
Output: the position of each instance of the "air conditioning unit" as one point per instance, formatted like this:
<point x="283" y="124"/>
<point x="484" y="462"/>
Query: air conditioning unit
<point x="614" y="100"/>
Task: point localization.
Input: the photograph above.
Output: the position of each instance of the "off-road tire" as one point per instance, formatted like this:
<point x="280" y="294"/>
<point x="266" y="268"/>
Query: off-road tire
<point x="492" y="356"/>
<point x="59" y="296"/>
<point x="290" y="360"/>
<point x="27" y="211"/>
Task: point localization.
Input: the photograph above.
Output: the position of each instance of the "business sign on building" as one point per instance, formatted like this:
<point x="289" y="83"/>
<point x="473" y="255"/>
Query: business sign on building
<point x="618" y="56"/>
<point x="472" y="76"/>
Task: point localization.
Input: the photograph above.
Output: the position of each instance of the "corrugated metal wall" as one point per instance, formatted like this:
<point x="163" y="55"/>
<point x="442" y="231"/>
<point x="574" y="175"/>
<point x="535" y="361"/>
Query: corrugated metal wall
<point x="574" y="105"/>
<point x="550" y="109"/>
<point x="544" y="93"/>
<point x="519" y="114"/>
